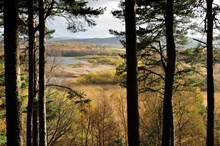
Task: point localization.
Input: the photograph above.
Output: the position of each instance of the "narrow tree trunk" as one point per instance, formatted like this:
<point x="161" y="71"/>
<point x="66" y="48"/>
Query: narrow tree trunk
<point x="35" y="123"/>
<point x="169" y="76"/>
<point x="36" y="107"/>
<point x="131" y="58"/>
<point x="42" y="99"/>
<point x="12" y="75"/>
<point x="172" y="131"/>
<point x="210" y="81"/>
<point x="31" y="73"/>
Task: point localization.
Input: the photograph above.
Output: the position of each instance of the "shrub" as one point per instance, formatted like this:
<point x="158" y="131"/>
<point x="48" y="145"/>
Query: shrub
<point x="101" y="77"/>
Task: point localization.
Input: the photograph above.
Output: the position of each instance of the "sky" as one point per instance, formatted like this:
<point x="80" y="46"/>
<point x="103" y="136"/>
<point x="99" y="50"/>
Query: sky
<point x="104" y="22"/>
<point x="101" y="30"/>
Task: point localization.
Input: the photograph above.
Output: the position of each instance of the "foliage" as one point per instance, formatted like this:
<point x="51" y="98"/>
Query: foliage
<point x="70" y="10"/>
<point x="217" y="119"/>
<point x="188" y="118"/>
<point x="151" y="74"/>
<point x="3" y="139"/>
<point x="97" y="59"/>
<point x="61" y="119"/>
<point x="73" y="126"/>
<point x="100" y="78"/>
<point x="152" y="57"/>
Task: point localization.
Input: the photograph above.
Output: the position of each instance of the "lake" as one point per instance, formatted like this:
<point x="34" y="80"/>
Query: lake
<point x="63" y="61"/>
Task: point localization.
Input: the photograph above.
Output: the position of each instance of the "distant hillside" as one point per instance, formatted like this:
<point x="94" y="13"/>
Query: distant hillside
<point x="111" y="41"/>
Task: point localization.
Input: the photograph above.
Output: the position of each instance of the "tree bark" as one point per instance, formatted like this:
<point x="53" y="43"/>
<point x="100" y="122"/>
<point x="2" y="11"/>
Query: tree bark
<point x="42" y="99"/>
<point x="12" y="74"/>
<point x="36" y="107"/>
<point x="31" y="73"/>
<point x="132" y="89"/>
<point x="35" y="124"/>
<point x="167" y="139"/>
<point x="210" y="80"/>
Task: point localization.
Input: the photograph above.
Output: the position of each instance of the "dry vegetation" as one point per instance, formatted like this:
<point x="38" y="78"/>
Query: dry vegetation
<point x="74" y="49"/>
<point x="103" y="120"/>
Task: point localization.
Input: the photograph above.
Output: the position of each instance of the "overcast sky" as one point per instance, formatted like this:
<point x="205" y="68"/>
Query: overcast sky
<point x="104" y="22"/>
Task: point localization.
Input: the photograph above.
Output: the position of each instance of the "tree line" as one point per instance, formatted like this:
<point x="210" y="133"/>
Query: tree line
<point x="154" y="61"/>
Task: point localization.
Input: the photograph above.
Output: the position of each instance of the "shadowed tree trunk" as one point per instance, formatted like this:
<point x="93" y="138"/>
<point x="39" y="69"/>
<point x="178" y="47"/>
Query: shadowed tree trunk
<point x="31" y="73"/>
<point x="210" y="82"/>
<point x="35" y="123"/>
<point x="12" y="77"/>
<point x="167" y="139"/>
<point x="42" y="99"/>
<point x="132" y="89"/>
<point x="36" y="107"/>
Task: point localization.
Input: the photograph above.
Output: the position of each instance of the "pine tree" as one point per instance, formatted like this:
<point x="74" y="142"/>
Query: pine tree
<point x="31" y="73"/>
<point x="42" y="98"/>
<point x="12" y="74"/>
<point x="210" y="79"/>
<point x="132" y="89"/>
<point x="167" y="135"/>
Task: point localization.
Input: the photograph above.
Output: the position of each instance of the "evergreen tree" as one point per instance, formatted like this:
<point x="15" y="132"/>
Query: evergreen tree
<point x="168" y="127"/>
<point x="31" y="73"/>
<point x="42" y="97"/>
<point x="132" y="89"/>
<point x="210" y="79"/>
<point x="153" y="54"/>
<point x="12" y="74"/>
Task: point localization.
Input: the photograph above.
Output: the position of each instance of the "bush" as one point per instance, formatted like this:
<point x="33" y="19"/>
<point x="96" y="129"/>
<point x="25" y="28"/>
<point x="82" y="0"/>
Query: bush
<point x="101" y="77"/>
<point x="2" y="139"/>
<point x="97" y="59"/>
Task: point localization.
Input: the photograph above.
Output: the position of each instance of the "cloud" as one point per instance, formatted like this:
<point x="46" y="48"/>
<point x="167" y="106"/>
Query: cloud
<point x="101" y="3"/>
<point x="104" y="22"/>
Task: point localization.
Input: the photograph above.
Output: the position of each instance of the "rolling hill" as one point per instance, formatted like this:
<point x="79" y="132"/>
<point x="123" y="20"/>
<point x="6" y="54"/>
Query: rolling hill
<point x="111" y="41"/>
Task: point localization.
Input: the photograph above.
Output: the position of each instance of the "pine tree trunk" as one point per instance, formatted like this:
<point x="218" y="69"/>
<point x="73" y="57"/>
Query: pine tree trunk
<point x="36" y="107"/>
<point x="35" y="123"/>
<point x="31" y="74"/>
<point x="169" y="76"/>
<point x="42" y="99"/>
<point x="131" y="58"/>
<point x="12" y="75"/>
<point x="210" y="81"/>
<point x="172" y="141"/>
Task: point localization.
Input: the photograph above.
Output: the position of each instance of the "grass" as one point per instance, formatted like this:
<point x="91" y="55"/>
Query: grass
<point x="75" y="65"/>
<point x="74" y="49"/>
<point x="112" y="93"/>
<point x="99" y="78"/>
<point x="100" y="60"/>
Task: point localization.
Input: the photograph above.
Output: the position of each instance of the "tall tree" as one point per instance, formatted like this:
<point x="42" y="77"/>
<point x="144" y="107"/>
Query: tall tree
<point x="152" y="48"/>
<point x="210" y="80"/>
<point x="35" y="104"/>
<point x="167" y="135"/>
<point x="12" y="78"/>
<point x="131" y="58"/>
<point x="31" y="73"/>
<point x="42" y="98"/>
